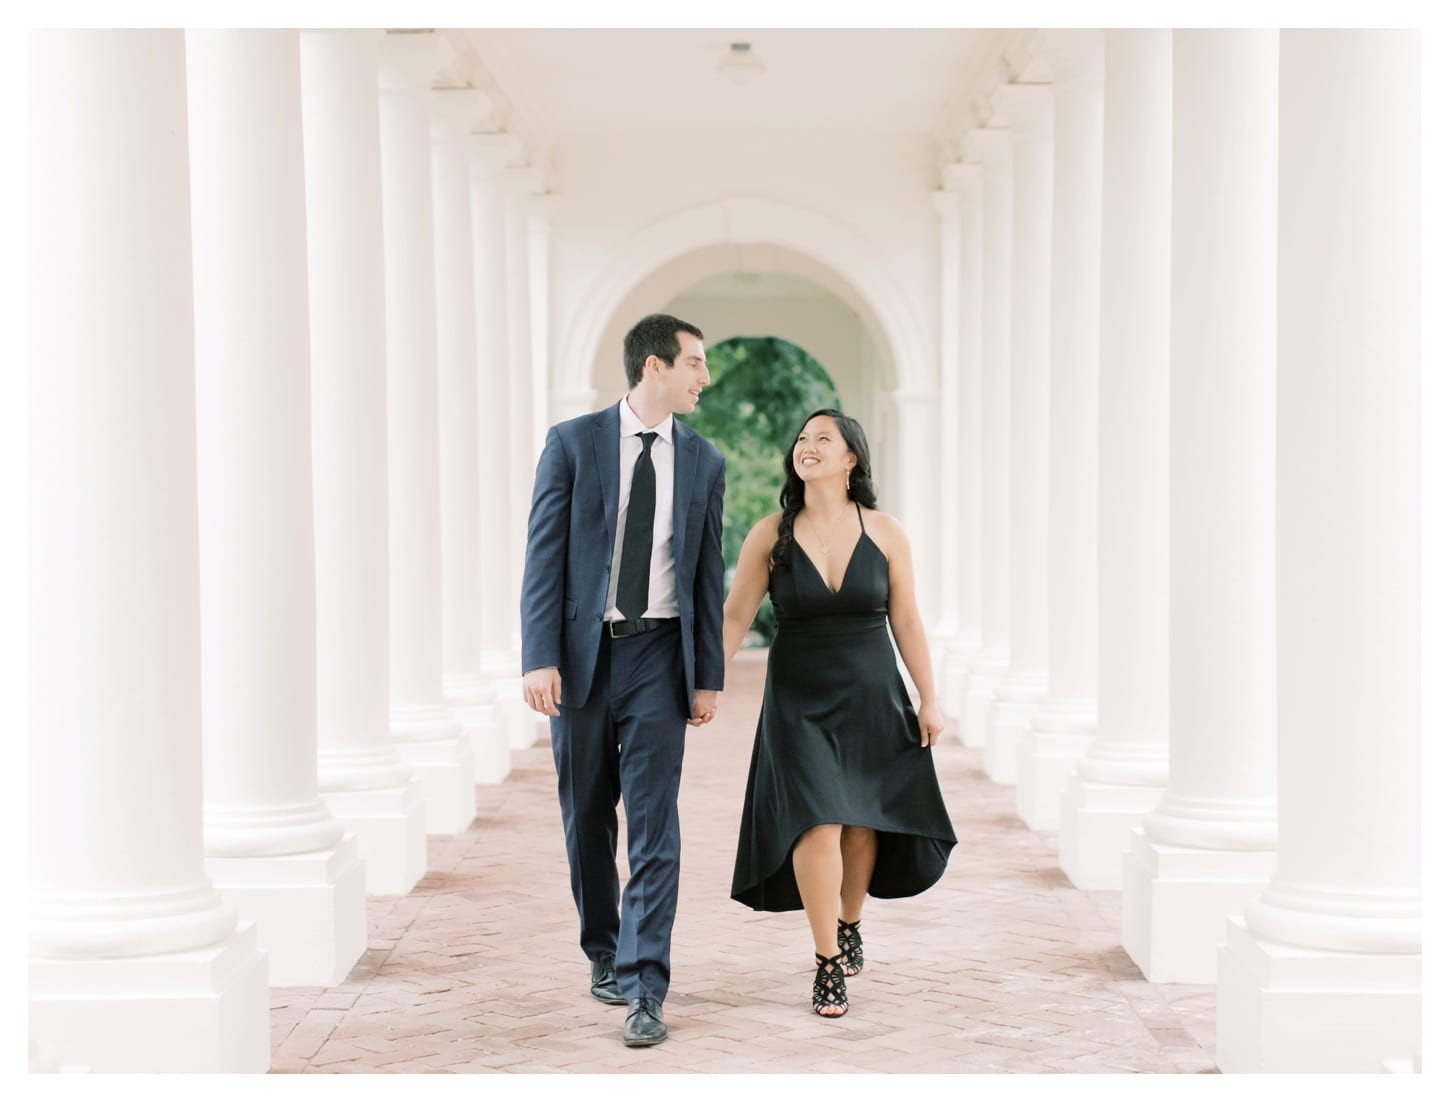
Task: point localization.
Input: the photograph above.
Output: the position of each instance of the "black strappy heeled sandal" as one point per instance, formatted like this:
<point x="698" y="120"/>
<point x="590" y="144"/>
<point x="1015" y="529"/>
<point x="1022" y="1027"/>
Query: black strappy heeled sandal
<point x="830" y="986"/>
<point x="848" y="940"/>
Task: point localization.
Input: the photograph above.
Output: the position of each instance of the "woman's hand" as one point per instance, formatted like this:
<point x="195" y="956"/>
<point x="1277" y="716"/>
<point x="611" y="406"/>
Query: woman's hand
<point x="929" y="717"/>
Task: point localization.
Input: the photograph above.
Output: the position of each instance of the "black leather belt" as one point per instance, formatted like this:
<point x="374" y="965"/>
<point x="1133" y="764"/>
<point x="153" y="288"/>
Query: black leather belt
<point x="623" y="629"/>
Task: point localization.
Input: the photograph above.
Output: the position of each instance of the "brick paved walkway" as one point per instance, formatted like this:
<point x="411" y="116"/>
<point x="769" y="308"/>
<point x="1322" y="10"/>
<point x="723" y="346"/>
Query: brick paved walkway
<point x="1002" y="967"/>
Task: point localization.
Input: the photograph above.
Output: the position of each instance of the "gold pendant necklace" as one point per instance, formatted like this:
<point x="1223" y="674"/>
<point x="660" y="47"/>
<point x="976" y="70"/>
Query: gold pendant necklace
<point x="830" y="527"/>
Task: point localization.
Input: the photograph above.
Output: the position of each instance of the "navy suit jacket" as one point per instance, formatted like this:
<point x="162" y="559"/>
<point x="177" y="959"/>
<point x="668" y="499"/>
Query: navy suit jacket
<point x="571" y="549"/>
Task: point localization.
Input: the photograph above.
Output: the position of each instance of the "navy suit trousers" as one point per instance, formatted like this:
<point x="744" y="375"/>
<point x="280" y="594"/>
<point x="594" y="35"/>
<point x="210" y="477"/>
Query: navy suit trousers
<point x="627" y="739"/>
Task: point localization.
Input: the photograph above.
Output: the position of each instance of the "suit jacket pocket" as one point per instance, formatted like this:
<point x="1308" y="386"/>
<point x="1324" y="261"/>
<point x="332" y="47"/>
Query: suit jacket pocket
<point x="571" y="608"/>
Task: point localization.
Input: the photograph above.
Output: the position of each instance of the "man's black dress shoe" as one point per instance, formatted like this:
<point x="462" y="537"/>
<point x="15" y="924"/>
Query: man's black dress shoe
<point x="603" y="984"/>
<point x="644" y="1024"/>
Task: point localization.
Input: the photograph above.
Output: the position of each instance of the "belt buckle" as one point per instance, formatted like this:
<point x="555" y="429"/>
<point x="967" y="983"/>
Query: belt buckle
<point x="625" y="633"/>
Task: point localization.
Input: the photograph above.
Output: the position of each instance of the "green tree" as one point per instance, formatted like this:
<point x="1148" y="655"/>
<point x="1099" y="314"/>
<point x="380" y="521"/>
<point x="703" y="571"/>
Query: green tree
<point x="761" y="389"/>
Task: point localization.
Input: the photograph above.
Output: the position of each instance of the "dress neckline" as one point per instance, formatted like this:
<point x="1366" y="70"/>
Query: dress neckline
<point x="860" y="520"/>
<point x="817" y="570"/>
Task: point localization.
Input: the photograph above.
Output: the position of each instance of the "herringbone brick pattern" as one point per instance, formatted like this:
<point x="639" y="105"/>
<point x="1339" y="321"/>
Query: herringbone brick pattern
<point x="1002" y="967"/>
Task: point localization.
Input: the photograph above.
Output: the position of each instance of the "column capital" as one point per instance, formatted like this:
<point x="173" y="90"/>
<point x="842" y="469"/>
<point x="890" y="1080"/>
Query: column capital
<point x="496" y="150"/>
<point x="948" y="204"/>
<point x="988" y="146"/>
<point x="408" y="60"/>
<point x="456" y="111"/>
<point x="1025" y="108"/>
<point x="367" y="36"/>
<point x="1075" y="57"/>
<point x="523" y="180"/>
<point x="964" y="177"/>
<point x="913" y="400"/>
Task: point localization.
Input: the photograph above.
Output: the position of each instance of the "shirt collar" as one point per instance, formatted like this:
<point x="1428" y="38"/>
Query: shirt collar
<point x="631" y="425"/>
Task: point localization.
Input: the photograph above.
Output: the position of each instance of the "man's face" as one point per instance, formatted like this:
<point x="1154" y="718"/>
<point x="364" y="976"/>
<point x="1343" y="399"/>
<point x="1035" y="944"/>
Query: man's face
<point x="687" y="377"/>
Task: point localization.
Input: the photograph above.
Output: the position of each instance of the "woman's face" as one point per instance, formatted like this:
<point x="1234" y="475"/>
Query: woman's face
<point x="821" y="452"/>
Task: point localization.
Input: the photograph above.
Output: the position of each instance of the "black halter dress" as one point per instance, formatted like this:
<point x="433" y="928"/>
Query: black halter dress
<point x="837" y="740"/>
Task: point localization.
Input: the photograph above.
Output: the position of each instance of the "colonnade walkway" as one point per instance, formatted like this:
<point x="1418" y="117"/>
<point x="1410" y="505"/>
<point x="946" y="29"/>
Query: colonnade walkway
<point x="1003" y="966"/>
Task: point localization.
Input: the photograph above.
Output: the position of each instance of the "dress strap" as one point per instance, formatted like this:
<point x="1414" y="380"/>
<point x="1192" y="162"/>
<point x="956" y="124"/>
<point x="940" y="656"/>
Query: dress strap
<point x="859" y="521"/>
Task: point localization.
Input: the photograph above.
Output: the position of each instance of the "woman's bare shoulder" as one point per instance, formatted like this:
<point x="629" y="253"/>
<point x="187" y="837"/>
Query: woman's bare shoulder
<point x="767" y="524"/>
<point x="884" y="528"/>
<point x="762" y="534"/>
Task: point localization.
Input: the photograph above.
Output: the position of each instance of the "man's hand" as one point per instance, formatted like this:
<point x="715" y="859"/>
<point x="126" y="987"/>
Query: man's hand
<point x="703" y="710"/>
<point x="541" y="690"/>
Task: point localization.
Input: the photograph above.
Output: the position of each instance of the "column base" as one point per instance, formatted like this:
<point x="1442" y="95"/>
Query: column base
<point x="1096" y="820"/>
<point x="473" y="703"/>
<point x="43" y="1060"/>
<point x="498" y="665"/>
<point x="938" y="642"/>
<point x="204" y="1010"/>
<point x="390" y="825"/>
<point x="310" y="910"/>
<point x="1176" y="901"/>
<point x="525" y="726"/>
<point x="492" y="755"/>
<point x="1045" y="760"/>
<point x="445" y="769"/>
<point x="955" y="667"/>
<point x="1287" y="1008"/>
<point x="979" y="691"/>
<point x="1008" y="722"/>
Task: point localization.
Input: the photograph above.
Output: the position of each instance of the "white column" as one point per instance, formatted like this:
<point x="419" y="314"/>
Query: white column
<point x="1027" y="109"/>
<point x="428" y="735"/>
<point x="992" y="149"/>
<point x="564" y="404"/>
<point x="915" y="486"/>
<point x="500" y="467"/>
<point x="1208" y="847"/>
<point x="273" y="847"/>
<point x="961" y="436"/>
<point x="362" y="778"/>
<point x="536" y="209"/>
<point x="1124" y="773"/>
<point x="1332" y="947"/>
<point x="136" y="962"/>
<point x="940" y="589"/>
<point x="522" y="185"/>
<point x="467" y="692"/>
<point x="1062" y="728"/>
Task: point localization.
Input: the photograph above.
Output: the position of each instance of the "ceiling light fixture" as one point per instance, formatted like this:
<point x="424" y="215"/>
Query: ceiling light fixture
<point x="740" y="64"/>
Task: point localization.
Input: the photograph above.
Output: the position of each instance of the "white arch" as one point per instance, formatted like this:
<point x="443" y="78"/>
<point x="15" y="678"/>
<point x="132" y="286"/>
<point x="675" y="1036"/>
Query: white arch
<point x="742" y="220"/>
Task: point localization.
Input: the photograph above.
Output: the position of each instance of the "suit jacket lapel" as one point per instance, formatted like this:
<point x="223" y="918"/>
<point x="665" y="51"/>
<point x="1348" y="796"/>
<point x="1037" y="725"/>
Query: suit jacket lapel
<point x="687" y="447"/>
<point x="606" y="458"/>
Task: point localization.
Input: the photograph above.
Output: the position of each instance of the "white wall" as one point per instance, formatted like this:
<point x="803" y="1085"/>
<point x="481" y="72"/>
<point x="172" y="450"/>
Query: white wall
<point x="868" y="193"/>
<point x="788" y="308"/>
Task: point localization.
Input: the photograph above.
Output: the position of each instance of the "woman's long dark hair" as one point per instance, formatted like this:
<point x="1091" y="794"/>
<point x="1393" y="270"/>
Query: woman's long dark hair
<point x="793" y="493"/>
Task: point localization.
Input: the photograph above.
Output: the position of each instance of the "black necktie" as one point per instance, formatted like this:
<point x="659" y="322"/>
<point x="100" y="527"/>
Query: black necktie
<point x="632" y="597"/>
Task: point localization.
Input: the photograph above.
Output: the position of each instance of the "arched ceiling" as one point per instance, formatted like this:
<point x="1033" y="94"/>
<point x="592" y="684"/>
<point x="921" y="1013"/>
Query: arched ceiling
<point x="743" y="270"/>
<point x="558" y="83"/>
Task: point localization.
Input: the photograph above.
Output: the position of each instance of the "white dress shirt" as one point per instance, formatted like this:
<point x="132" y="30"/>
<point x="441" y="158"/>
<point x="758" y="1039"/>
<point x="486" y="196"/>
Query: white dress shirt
<point x="662" y="600"/>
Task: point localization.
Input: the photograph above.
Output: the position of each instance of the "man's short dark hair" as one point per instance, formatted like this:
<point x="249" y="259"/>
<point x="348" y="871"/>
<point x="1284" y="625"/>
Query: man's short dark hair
<point x="656" y="335"/>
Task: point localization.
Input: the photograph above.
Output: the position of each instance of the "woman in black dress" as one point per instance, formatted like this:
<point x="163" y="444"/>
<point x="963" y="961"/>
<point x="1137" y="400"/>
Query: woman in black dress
<point x="842" y="798"/>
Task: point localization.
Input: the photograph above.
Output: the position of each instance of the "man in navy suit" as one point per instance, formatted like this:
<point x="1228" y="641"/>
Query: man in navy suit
<point x="622" y="648"/>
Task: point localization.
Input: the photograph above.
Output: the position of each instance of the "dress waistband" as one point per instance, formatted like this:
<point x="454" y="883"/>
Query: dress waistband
<point x="816" y="627"/>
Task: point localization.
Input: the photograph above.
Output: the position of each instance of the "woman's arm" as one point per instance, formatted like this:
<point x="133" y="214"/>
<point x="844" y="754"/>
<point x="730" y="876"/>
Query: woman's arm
<point x="752" y="576"/>
<point x="906" y="625"/>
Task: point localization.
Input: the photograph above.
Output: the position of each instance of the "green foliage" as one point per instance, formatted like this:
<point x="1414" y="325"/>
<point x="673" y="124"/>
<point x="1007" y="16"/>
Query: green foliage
<point x="761" y="389"/>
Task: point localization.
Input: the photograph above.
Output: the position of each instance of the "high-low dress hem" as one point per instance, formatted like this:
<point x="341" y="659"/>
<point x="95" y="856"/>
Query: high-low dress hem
<point x="837" y="740"/>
